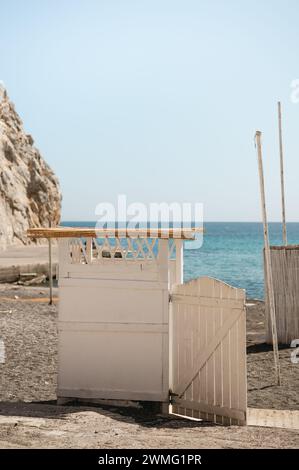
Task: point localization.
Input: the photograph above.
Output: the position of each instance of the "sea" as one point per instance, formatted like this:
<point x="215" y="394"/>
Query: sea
<point x="231" y="252"/>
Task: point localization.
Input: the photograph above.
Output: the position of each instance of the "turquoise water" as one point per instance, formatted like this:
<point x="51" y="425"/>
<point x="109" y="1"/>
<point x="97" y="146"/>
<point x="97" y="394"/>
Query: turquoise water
<point x="232" y="252"/>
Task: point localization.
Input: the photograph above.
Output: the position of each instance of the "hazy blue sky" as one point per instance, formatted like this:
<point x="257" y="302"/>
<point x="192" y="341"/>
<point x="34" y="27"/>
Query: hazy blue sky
<point x="157" y="99"/>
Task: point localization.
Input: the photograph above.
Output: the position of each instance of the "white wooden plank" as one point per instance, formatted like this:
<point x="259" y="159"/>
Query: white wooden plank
<point x="189" y="348"/>
<point x="113" y="284"/>
<point x="242" y="365"/>
<point x="203" y="384"/>
<point x="218" y="359"/>
<point x="207" y="301"/>
<point x="195" y="349"/>
<point x="234" y="368"/>
<point x="78" y="326"/>
<point x="211" y="359"/>
<point x="181" y="349"/>
<point x="215" y="410"/>
<point x="179" y="273"/>
<point x="112" y="394"/>
<point x="226" y="370"/>
<point x="286" y="419"/>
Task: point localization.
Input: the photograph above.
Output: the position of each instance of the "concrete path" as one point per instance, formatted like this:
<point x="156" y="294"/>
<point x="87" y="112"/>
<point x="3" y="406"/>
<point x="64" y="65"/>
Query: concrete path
<point x="20" y="255"/>
<point x="25" y="259"/>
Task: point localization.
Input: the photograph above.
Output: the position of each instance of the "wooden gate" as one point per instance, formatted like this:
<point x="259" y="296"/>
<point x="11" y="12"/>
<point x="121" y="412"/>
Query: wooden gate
<point x="208" y="351"/>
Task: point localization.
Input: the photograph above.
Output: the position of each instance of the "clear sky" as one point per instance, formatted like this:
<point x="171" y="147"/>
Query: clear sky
<point x="157" y="99"/>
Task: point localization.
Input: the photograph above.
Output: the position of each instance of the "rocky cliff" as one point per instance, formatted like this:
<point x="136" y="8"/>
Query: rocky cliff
<point x="29" y="191"/>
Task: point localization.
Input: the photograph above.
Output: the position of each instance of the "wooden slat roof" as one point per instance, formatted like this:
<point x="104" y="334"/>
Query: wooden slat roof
<point x="77" y="232"/>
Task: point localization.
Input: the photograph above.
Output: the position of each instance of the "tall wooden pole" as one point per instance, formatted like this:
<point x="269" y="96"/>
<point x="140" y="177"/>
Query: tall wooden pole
<point x="284" y="227"/>
<point x="269" y="279"/>
<point x="50" y="270"/>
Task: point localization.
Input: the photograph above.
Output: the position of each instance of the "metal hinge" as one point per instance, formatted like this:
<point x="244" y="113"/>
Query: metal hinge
<point x="171" y="396"/>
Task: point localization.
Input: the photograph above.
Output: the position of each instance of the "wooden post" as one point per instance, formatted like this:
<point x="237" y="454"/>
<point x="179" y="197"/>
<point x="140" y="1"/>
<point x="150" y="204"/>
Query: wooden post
<point x="269" y="285"/>
<point x="89" y="250"/>
<point x="284" y="227"/>
<point x="179" y="260"/>
<point x="50" y="270"/>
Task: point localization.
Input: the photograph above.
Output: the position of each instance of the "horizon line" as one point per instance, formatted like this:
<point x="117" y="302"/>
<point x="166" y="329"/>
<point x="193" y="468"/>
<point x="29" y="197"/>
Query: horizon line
<point x="207" y="221"/>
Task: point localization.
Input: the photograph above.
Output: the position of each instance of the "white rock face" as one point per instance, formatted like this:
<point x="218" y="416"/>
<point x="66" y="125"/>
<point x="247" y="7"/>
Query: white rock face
<point x="29" y="191"/>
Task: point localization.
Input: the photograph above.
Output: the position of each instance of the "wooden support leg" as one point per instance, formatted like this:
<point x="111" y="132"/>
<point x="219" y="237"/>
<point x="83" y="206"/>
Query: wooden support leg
<point x="164" y="409"/>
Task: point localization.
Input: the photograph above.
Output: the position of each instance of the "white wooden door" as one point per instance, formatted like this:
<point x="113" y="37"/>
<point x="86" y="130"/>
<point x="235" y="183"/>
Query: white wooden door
<point x="208" y="351"/>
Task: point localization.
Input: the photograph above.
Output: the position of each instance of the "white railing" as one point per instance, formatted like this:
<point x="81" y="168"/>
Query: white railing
<point x="116" y="250"/>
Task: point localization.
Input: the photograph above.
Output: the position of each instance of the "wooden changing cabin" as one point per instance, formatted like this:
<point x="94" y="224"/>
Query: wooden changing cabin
<point x="130" y="329"/>
<point x="285" y="278"/>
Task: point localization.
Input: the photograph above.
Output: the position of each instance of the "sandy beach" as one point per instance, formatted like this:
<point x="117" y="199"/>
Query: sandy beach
<point x="29" y="416"/>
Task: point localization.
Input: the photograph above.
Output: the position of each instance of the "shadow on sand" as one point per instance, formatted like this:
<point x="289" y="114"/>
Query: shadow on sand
<point x="141" y="416"/>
